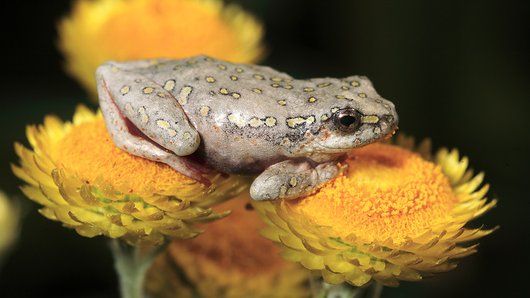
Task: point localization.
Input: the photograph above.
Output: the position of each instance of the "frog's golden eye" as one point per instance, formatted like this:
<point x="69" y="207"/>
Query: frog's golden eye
<point x="347" y="119"/>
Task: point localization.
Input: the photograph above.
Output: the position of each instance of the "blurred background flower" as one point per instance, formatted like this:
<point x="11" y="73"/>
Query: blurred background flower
<point x="100" y="30"/>
<point x="9" y="220"/>
<point x="230" y="259"/>
<point x="393" y="215"/>
<point x="80" y="178"/>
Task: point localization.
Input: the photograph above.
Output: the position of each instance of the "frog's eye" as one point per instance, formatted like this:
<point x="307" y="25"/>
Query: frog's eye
<point x="347" y="119"/>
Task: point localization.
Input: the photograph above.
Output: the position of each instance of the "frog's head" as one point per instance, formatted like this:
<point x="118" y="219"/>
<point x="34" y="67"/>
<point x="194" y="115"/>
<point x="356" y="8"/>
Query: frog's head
<point x="353" y="115"/>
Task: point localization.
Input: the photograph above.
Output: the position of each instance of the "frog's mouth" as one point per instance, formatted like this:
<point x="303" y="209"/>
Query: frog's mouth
<point x="336" y="144"/>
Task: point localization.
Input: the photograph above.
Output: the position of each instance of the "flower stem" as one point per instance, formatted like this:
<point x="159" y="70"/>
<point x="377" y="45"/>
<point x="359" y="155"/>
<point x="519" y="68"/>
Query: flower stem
<point x="343" y="290"/>
<point x="377" y="289"/>
<point x="131" y="264"/>
<point x="321" y="289"/>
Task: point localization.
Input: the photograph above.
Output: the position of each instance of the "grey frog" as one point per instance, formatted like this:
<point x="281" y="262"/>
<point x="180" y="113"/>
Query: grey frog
<point x="201" y="113"/>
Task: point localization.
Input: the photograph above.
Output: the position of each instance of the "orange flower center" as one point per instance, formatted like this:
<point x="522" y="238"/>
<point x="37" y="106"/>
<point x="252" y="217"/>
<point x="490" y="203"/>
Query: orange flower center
<point x="146" y="29"/>
<point x="386" y="192"/>
<point x="88" y="150"/>
<point x="232" y="244"/>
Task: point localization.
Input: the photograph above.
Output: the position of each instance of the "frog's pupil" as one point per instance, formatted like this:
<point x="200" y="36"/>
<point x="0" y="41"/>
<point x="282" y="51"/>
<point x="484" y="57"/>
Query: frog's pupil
<point x="347" y="120"/>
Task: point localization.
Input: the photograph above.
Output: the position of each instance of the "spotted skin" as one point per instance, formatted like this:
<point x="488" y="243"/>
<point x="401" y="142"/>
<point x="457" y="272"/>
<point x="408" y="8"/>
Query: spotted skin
<point x="241" y="119"/>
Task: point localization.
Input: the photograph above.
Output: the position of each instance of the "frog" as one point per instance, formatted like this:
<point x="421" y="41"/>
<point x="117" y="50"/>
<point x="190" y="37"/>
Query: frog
<point x="201" y="115"/>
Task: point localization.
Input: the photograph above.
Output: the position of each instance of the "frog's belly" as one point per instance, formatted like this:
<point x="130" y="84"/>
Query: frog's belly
<point x="238" y="156"/>
<point x="233" y="145"/>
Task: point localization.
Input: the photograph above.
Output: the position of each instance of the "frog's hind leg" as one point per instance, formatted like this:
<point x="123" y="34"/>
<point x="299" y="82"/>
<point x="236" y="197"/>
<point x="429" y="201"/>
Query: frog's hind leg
<point x="291" y="179"/>
<point x="129" y="138"/>
<point x="152" y="108"/>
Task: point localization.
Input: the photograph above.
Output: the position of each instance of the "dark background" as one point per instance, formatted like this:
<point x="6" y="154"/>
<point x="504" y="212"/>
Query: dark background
<point x="458" y="72"/>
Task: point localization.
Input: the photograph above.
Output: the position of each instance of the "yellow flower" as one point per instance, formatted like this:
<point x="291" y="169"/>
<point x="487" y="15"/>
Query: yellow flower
<point x="392" y="215"/>
<point x="230" y="259"/>
<point x="9" y="216"/>
<point x="81" y="179"/>
<point x="101" y="30"/>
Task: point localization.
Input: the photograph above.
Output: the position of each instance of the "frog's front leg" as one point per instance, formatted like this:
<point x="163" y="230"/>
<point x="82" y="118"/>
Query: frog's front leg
<point x="291" y="179"/>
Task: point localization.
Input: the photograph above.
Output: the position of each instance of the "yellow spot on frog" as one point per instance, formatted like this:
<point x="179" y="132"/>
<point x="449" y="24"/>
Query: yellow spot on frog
<point x="210" y="79"/>
<point x="276" y="79"/>
<point x="223" y="91"/>
<point x="312" y="99"/>
<point x="324" y="117"/>
<point x="270" y="121"/>
<point x="239" y="70"/>
<point x="236" y="95"/>
<point x="293" y="182"/>
<point x="340" y="96"/>
<point x="369" y="119"/>
<point x="169" y="85"/>
<point x="257" y="90"/>
<point x="255" y="122"/>
<point x="237" y="120"/>
<point x="233" y="78"/>
<point x="204" y="110"/>
<point x="258" y="77"/>
<point x="282" y="102"/>
<point x="288" y="87"/>
<point x="362" y="95"/>
<point x="308" y="89"/>
<point x="345" y="88"/>
<point x="125" y="89"/>
<point x="333" y="110"/>
<point x="148" y="90"/>
<point x="355" y="83"/>
<point x="275" y="85"/>
<point x="294" y="122"/>
<point x="143" y="115"/>
<point x="322" y="85"/>
<point x="221" y="66"/>
<point x="183" y="95"/>
<point x="161" y="94"/>
<point x="163" y="124"/>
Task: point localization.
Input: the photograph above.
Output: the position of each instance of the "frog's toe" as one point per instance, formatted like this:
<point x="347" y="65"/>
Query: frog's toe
<point x="266" y="188"/>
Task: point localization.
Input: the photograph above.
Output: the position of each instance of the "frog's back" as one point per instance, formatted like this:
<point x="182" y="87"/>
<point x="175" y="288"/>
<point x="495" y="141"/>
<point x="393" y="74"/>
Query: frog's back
<point x="204" y="84"/>
<point x="248" y="116"/>
<point x="244" y="95"/>
<point x="236" y="108"/>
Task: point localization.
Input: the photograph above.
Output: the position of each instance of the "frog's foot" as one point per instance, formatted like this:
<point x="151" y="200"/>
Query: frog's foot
<point x="129" y="138"/>
<point x="291" y="179"/>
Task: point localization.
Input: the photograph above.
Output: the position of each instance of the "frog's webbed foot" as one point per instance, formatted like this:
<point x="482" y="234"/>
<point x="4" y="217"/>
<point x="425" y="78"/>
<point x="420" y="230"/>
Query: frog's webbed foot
<point x="291" y="179"/>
